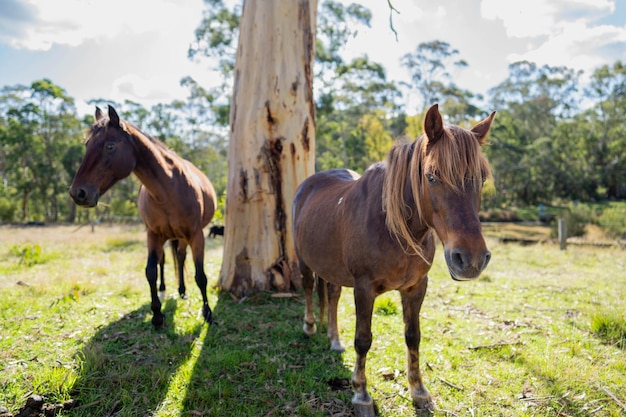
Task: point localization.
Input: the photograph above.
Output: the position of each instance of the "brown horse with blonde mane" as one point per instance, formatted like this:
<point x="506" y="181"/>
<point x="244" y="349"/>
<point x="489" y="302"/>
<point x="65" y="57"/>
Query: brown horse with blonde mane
<point x="375" y="233"/>
<point x="176" y="200"/>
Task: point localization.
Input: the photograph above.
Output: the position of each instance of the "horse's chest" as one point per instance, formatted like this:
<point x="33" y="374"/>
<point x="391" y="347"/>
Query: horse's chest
<point x="388" y="273"/>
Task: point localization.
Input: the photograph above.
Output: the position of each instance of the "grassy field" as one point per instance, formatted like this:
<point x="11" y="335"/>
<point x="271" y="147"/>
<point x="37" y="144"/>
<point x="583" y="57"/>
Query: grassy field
<point x="541" y="333"/>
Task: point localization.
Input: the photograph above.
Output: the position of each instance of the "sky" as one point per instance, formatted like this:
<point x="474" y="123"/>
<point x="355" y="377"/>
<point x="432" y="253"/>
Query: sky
<point x="137" y="49"/>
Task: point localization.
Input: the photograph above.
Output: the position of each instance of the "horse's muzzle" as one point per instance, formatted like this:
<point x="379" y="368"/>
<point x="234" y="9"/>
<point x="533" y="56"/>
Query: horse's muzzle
<point x="85" y="197"/>
<point x="464" y="264"/>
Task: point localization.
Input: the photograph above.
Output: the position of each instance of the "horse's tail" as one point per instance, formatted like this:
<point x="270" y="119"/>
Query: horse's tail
<point x="322" y="293"/>
<point x="174" y="246"/>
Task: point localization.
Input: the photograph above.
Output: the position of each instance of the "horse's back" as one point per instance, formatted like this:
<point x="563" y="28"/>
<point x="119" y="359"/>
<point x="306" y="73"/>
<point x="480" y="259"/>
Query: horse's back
<point x="325" y="182"/>
<point x="207" y="193"/>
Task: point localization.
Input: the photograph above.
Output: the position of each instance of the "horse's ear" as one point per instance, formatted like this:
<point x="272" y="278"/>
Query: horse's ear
<point x="433" y="125"/>
<point x="481" y="130"/>
<point x="114" y="119"/>
<point x="98" y="114"/>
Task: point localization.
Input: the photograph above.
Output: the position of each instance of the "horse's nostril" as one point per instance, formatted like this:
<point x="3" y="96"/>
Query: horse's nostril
<point x="81" y="194"/>
<point x="487" y="259"/>
<point x="457" y="258"/>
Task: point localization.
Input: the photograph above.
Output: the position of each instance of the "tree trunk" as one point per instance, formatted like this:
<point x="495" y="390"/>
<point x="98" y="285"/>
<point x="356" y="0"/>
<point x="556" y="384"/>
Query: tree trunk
<point x="272" y="144"/>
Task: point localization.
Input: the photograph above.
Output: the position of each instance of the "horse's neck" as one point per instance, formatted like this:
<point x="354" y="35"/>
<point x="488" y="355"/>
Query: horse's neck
<point x="154" y="166"/>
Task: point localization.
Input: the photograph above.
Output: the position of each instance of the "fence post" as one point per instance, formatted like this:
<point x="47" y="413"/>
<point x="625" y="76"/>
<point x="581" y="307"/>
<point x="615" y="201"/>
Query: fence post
<point x="563" y="233"/>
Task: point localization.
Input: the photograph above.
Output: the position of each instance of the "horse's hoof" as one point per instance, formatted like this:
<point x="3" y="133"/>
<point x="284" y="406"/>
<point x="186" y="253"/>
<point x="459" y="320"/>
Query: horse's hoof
<point x="426" y="405"/>
<point x="158" y="321"/>
<point x="161" y="295"/>
<point x="336" y="346"/>
<point x="423" y="401"/>
<point x="364" y="410"/>
<point x="183" y="296"/>
<point x="207" y="314"/>
<point x="363" y="405"/>
<point x="309" y="329"/>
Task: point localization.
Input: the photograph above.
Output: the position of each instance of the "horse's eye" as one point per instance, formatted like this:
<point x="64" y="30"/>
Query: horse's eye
<point x="431" y="178"/>
<point x="110" y="146"/>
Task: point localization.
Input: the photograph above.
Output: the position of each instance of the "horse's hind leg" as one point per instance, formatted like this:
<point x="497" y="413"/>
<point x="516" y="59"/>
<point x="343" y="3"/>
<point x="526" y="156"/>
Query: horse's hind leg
<point x="179" y="251"/>
<point x="308" y="284"/>
<point x="155" y="254"/>
<point x="197" y="249"/>
<point x="334" y="292"/>
<point x="411" y="304"/>
<point x="364" y="302"/>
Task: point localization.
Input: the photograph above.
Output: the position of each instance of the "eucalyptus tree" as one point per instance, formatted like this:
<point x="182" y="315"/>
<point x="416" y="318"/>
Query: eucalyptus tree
<point x="271" y="146"/>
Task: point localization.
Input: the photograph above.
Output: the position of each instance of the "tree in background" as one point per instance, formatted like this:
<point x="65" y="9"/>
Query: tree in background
<point x="38" y="127"/>
<point x="608" y="121"/>
<point x="531" y="103"/>
<point x="429" y="69"/>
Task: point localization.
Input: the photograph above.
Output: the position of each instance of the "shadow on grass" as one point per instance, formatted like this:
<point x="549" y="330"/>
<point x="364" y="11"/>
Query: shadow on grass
<point x="257" y="361"/>
<point x="127" y="366"/>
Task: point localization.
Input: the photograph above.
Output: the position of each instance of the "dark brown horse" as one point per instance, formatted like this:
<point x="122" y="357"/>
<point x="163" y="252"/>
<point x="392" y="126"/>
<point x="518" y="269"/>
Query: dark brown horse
<point x="176" y="199"/>
<point x="375" y="233"/>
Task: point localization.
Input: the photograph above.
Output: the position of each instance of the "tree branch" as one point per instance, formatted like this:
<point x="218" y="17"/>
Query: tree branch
<point x="391" y="10"/>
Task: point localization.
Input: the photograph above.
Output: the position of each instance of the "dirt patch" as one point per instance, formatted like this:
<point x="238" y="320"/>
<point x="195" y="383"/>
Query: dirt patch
<point x="36" y="406"/>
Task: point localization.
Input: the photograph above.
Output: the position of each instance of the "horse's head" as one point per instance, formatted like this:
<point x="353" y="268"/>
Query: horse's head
<point x="452" y="171"/>
<point x="108" y="159"/>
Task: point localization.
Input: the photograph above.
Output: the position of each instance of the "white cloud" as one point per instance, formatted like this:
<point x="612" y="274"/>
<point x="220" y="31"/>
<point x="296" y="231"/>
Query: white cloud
<point x="576" y="44"/>
<point x="143" y="89"/>
<point x="73" y="22"/>
<point x="522" y="18"/>
<point x="534" y="18"/>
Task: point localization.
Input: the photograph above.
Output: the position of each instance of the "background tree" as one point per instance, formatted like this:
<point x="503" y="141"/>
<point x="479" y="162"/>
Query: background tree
<point x="531" y="102"/>
<point x="608" y="122"/>
<point x="429" y="68"/>
<point x="272" y="142"/>
<point x="39" y="124"/>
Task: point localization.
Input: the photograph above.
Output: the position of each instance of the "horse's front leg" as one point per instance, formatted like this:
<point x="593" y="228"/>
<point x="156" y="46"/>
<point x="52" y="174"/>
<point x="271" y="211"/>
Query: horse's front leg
<point x="155" y="255"/>
<point x="411" y="304"/>
<point x="364" y="302"/>
<point x="197" y="249"/>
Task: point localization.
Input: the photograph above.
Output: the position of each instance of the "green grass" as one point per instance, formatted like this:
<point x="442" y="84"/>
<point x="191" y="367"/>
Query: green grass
<point x="541" y="333"/>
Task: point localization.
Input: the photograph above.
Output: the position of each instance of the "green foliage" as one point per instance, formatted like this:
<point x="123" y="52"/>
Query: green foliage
<point x="7" y="209"/>
<point x="613" y="220"/>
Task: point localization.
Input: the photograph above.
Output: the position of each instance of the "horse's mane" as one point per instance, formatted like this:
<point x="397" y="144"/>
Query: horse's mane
<point x="135" y="131"/>
<point x="455" y="160"/>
